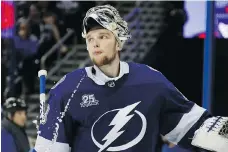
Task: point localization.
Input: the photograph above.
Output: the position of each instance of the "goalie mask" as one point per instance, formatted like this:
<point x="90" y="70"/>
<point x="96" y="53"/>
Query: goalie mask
<point x="109" y="18"/>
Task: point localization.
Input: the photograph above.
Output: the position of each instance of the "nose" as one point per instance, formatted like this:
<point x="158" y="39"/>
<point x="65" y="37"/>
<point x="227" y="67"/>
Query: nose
<point x="96" y="44"/>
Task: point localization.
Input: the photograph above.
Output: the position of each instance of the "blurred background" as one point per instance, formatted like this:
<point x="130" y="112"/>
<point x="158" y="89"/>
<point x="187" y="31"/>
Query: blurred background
<point x="169" y="36"/>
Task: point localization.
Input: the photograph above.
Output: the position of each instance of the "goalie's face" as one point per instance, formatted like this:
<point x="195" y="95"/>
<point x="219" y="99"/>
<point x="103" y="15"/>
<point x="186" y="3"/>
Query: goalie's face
<point x="102" y="46"/>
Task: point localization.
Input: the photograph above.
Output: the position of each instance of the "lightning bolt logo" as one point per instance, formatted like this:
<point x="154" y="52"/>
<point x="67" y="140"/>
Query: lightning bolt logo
<point x="118" y="122"/>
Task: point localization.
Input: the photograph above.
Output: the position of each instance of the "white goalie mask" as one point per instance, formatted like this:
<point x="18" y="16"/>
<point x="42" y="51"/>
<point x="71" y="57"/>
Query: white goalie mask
<point x="109" y="18"/>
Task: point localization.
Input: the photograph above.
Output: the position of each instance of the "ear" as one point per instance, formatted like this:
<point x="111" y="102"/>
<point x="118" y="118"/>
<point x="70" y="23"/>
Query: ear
<point x="118" y="46"/>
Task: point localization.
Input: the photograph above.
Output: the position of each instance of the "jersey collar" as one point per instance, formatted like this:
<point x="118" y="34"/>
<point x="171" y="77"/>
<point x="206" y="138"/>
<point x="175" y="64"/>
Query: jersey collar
<point x="100" y="78"/>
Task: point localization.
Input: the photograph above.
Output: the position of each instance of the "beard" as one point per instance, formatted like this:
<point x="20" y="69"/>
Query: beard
<point x="103" y="60"/>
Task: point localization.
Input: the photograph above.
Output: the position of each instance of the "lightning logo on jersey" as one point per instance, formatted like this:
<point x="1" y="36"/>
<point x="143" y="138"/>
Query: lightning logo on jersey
<point x="118" y="122"/>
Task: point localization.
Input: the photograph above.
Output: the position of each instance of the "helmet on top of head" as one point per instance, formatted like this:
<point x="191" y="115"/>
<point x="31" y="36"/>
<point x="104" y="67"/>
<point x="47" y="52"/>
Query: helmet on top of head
<point x="13" y="104"/>
<point x="109" y="18"/>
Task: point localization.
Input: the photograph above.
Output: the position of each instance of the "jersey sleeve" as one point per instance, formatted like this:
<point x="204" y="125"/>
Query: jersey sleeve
<point x="53" y="127"/>
<point x="7" y="142"/>
<point x="180" y="118"/>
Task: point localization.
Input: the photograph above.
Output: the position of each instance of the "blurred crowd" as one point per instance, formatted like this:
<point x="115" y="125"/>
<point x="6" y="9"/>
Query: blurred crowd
<point x="39" y="26"/>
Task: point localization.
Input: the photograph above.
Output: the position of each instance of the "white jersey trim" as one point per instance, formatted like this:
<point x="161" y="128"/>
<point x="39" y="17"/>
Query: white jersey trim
<point x="43" y="145"/>
<point x="152" y="68"/>
<point x="185" y="124"/>
<point x="100" y="78"/>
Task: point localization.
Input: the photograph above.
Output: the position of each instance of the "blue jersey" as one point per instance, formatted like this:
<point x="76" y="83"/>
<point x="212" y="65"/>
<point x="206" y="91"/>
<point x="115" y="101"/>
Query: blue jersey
<point x="90" y="112"/>
<point x="7" y="142"/>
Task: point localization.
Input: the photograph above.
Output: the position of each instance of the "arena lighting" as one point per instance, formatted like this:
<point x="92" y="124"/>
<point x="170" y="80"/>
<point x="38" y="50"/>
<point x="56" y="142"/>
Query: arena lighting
<point x="7" y="18"/>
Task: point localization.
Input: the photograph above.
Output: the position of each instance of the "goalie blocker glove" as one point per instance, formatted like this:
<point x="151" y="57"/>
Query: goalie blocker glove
<point x="212" y="135"/>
